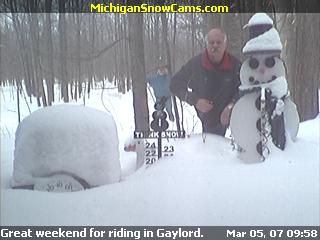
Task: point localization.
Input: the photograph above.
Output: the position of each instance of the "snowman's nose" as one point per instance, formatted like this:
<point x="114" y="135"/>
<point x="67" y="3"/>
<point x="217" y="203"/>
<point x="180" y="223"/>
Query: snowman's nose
<point x="262" y="70"/>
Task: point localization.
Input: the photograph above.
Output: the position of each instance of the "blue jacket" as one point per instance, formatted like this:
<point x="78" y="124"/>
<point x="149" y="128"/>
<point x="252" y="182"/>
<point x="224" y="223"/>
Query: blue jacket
<point x="160" y="85"/>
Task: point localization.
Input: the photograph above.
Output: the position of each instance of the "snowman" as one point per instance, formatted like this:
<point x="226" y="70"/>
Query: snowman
<point x="264" y="113"/>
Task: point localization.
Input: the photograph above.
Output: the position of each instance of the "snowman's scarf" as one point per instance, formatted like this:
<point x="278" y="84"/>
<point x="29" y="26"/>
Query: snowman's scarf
<point x="276" y="92"/>
<point x="278" y="87"/>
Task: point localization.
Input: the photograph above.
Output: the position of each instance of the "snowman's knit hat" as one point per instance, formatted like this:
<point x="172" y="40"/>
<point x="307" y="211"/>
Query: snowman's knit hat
<point x="258" y="24"/>
<point x="264" y="39"/>
<point x="266" y="43"/>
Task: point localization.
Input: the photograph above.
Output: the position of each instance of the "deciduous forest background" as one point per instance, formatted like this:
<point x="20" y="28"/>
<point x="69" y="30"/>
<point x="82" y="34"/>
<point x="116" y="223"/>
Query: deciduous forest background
<point x="42" y="44"/>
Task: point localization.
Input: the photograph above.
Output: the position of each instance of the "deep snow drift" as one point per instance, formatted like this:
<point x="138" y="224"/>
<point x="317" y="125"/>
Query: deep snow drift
<point x="202" y="184"/>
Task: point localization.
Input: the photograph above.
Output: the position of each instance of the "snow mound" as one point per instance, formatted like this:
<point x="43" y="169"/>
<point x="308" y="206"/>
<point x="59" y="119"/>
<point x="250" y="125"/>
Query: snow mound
<point x="202" y="184"/>
<point x="72" y="139"/>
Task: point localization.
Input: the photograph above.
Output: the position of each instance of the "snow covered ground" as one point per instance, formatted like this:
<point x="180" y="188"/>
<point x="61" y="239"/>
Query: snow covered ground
<point x="202" y="184"/>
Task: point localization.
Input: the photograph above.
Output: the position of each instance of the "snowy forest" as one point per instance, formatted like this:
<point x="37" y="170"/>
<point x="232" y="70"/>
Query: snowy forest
<point x="77" y="50"/>
<point x="52" y="53"/>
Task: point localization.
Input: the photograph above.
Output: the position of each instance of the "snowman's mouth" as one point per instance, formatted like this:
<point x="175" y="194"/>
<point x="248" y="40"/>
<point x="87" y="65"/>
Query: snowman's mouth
<point x="257" y="82"/>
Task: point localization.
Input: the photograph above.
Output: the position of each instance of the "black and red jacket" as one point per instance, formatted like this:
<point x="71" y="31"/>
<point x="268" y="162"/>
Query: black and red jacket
<point x="200" y="78"/>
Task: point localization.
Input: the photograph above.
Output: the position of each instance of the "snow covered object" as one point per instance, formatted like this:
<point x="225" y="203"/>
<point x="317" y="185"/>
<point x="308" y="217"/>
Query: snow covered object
<point x="66" y="148"/>
<point x="136" y="145"/>
<point x="264" y="111"/>
<point x="259" y="23"/>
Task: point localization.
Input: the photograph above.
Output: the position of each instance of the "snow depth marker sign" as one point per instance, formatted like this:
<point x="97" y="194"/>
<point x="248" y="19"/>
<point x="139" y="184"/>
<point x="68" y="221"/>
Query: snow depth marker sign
<point x="159" y="124"/>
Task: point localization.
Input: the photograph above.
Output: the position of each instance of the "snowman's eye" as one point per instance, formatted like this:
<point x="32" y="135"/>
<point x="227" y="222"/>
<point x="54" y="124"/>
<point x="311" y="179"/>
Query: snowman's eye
<point x="253" y="63"/>
<point x="270" y="62"/>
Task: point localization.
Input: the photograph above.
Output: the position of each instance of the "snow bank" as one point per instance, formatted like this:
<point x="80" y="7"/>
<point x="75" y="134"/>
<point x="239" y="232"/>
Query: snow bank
<point x="74" y="139"/>
<point x="202" y="184"/>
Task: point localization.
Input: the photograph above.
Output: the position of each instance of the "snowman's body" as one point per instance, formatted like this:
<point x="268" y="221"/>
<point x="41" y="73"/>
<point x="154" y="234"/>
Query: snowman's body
<point x="266" y="72"/>
<point x="291" y="119"/>
<point x="243" y="126"/>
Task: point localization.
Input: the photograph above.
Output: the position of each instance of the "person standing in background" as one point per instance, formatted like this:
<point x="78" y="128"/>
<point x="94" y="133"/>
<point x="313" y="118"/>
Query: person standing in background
<point x="160" y="83"/>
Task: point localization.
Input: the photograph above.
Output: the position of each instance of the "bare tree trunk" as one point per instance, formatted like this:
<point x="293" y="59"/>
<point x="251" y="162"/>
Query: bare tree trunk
<point x="164" y="22"/>
<point x="78" y="81"/>
<point x="174" y="50"/>
<point x="122" y="84"/>
<point x="35" y="43"/>
<point x="258" y="6"/>
<point x="127" y="62"/>
<point x="116" y="54"/>
<point x="63" y="51"/>
<point x="50" y="66"/>
<point x="18" y="100"/>
<point x="212" y="21"/>
<point x="193" y="33"/>
<point x="230" y="23"/>
<point x="244" y="18"/>
<point x="24" y="55"/>
<point x="303" y="63"/>
<point x="156" y="41"/>
<point x="141" y="112"/>
<point x="283" y="4"/>
<point x="92" y="41"/>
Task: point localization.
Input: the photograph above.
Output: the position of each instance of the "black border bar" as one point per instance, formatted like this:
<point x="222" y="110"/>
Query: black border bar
<point x="161" y="232"/>
<point x="235" y="6"/>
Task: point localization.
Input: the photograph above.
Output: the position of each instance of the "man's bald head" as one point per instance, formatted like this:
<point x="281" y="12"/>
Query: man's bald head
<point x="216" y="31"/>
<point x="216" y="44"/>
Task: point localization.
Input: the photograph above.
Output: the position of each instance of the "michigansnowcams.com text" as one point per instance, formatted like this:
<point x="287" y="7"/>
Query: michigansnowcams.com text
<point x="100" y="233"/>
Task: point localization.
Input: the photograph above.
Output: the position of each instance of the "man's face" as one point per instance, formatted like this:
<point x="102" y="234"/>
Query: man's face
<point x="216" y="45"/>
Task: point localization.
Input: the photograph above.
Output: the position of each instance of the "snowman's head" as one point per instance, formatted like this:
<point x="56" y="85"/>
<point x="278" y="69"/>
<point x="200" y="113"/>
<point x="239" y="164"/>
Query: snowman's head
<point x="259" y="69"/>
